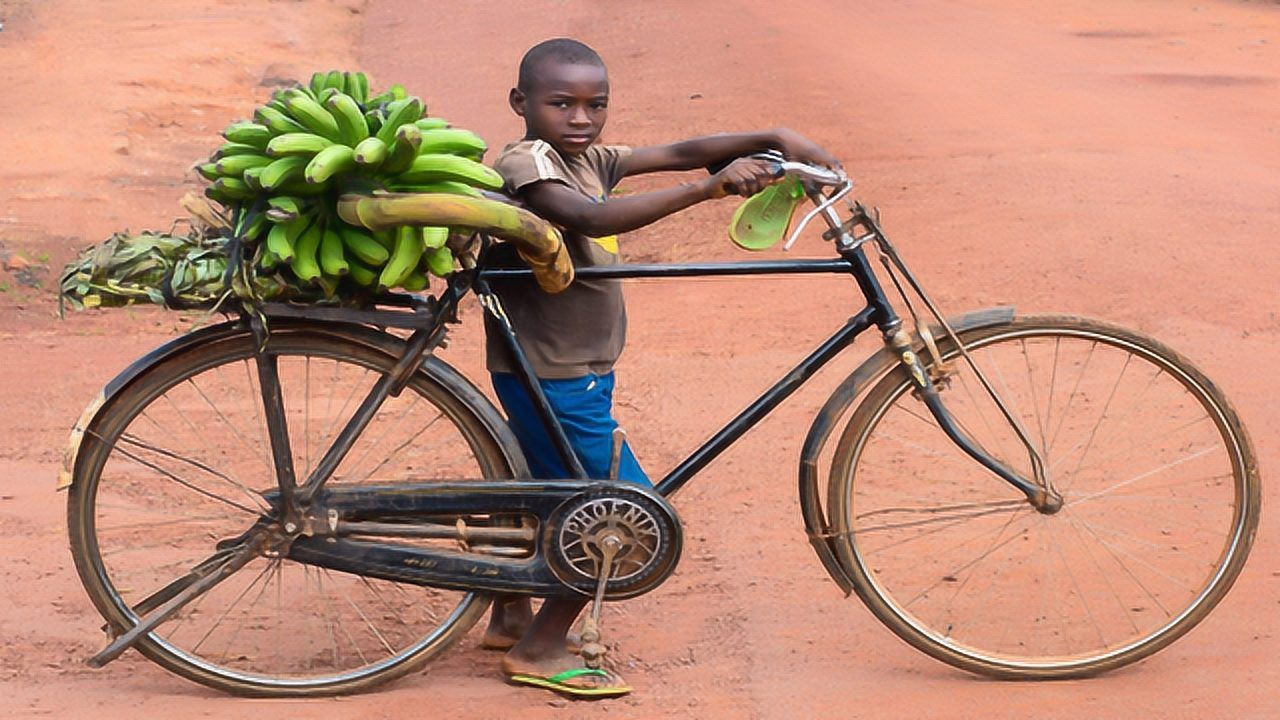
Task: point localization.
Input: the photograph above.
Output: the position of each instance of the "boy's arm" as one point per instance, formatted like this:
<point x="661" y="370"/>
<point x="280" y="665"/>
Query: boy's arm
<point x="571" y="209"/>
<point x="703" y="151"/>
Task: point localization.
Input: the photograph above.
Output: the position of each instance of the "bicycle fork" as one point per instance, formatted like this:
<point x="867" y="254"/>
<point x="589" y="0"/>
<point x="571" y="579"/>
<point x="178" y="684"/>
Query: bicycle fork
<point x="1039" y="491"/>
<point x="849" y="237"/>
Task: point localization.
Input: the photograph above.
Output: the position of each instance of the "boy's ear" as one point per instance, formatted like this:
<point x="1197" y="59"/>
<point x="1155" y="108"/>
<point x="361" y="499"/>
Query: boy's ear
<point x="516" y="100"/>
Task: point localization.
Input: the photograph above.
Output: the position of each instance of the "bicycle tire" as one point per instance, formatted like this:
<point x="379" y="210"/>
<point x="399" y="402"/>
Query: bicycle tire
<point x="1094" y="568"/>
<point x="115" y="577"/>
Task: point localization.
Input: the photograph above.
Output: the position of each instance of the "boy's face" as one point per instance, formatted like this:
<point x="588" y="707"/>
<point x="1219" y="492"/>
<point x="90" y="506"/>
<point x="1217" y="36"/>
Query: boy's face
<point x="566" y="105"/>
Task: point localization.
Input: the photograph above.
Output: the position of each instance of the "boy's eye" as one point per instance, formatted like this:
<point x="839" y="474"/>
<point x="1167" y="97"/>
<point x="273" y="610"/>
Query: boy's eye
<point x="599" y="105"/>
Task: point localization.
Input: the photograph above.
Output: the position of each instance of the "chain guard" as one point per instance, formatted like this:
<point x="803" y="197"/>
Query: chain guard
<point x="644" y="521"/>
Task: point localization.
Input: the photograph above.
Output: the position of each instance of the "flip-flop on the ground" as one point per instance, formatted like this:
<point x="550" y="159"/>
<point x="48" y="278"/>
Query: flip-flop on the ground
<point x="563" y="683"/>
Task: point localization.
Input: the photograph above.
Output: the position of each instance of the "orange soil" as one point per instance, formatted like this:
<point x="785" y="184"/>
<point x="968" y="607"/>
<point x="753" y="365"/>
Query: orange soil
<point x="1115" y="159"/>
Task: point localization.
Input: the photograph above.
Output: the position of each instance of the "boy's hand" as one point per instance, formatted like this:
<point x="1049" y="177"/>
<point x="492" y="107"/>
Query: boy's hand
<point x="744" y="176"/>
<point x="801" y="149"/>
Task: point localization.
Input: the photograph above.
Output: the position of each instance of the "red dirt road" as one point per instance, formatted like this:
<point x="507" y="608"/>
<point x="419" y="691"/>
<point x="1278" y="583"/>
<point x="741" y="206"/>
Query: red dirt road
<point x="1113" y="159"/>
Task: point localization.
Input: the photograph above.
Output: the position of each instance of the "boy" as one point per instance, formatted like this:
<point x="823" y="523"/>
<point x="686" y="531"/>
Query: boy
<point x="573" y="338"/>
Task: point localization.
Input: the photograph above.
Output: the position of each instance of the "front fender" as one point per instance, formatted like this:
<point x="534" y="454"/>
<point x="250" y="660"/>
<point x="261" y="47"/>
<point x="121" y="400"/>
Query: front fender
<point x="815" y="519"/>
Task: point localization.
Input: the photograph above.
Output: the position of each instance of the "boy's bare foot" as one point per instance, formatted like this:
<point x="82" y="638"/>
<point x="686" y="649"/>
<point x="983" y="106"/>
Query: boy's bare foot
<point x="562" y="672"/>
<point x="510" y="618"/>
<point x="499" y="639"/>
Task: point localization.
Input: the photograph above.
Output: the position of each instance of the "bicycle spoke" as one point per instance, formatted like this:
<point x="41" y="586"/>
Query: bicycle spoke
<point x="256" y="497"/>
<point x="1142" y="476"/>
<point x="400" y="447"/>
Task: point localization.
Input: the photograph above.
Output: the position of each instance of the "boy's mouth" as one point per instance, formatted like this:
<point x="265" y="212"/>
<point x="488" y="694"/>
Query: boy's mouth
<point x="576" y="139"/>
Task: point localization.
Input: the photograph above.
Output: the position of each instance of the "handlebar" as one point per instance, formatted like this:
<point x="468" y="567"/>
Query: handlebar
<point x="813" y="176"/>
<point x="804" y="171"/>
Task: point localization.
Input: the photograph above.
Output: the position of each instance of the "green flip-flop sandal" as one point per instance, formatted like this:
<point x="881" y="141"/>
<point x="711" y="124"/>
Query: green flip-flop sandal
<point x="763" y="219"/>
<point x="560" y="683"/>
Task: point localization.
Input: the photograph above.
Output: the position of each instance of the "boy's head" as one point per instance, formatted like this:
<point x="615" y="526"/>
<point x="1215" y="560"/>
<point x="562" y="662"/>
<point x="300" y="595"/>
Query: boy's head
<point x="563" y="95"/>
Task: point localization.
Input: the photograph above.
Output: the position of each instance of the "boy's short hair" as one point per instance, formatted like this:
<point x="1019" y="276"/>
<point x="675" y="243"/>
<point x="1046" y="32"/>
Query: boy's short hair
<point x="565" y="50"/>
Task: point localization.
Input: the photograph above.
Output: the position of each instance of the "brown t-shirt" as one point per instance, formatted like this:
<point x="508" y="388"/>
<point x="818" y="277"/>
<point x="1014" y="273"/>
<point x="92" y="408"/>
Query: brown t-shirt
<point x="582" y="329"/>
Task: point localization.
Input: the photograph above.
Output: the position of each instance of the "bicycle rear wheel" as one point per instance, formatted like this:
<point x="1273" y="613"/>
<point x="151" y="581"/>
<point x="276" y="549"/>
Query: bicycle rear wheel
<point x="1160" y="490"/>
<point x="179" y="461"/>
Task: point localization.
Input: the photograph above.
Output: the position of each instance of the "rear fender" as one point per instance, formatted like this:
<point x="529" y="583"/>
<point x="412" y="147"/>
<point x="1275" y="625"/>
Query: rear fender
<point x="388" y="344"/>
<point x="815" y="519"/>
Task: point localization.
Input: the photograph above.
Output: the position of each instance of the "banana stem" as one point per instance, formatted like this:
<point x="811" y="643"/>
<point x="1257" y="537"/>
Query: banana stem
<point x="537" y="241"/>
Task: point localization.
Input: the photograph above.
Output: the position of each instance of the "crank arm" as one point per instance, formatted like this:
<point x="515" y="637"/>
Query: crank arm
<point x="176" y="599"/>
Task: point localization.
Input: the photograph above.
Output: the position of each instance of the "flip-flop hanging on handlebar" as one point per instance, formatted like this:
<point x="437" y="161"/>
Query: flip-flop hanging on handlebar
<point x="764" y="218"/>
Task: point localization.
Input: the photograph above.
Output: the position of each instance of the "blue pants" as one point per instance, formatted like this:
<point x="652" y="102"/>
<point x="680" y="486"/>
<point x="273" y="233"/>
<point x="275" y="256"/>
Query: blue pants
<point x="584" y="407"/>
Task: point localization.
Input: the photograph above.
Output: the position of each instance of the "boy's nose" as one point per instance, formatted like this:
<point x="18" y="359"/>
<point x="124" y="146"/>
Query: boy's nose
<point x="579" y="117"/>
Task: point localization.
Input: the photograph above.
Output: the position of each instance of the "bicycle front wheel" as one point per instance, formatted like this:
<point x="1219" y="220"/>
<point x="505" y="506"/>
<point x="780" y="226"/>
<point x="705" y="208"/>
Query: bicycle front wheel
<point x="178" y="464"/>
<point x="1160" y="492"/>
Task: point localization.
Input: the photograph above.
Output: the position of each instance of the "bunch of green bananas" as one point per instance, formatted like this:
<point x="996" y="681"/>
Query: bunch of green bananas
<point x="285" y="170"/>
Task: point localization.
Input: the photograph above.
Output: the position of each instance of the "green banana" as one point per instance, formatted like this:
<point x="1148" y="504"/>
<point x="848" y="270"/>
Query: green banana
<point x="268" y="260"/>
<point x="431" y="168"/>
<point x="403" y="150"/>
<point x="288" y="204"/>
<point x="362" y="274"/>
<point x="358" y="87"/>
<point x="439" y="261"/>
<point x="312" y="115"/>
<point x="386" y="238"/>
<point x="304" y="263"/>
<point x="237" y="164"/>
<point x="362" y="245"/>
<point x="256" y="225"/>
<point x="452" y="141"/>
<point x="253" y="177"/>
<point x="233" y="188"/>
<point x="371" y="152"/>
<point x="233" y="149"/>
<point x="319" y="81"/>
<point x="281" y="238"/>
<point x="282" y="171"/>
<point x="303" y="143"/>
<point x="324" y="96"/>
<point x="299" y="187"/>
<point x="433" y="238"/>
<point x="399" y="112"/>
<point x="404" y="258"/>
<point x="416" y="282"/>
<point x="208" y="171"/>
<point x="336" y="80"/>
<point x="373" y="118"/>
<point x="432" y="123"/>
<point x="276" y="120"/>
<point x="351" y="123"/>
<point x="248" y="133"/>
<point x="446" y="186"/>
<point x="278" y="216"/>
<point x="328" y="162"/>
<point x="333" y="261"/>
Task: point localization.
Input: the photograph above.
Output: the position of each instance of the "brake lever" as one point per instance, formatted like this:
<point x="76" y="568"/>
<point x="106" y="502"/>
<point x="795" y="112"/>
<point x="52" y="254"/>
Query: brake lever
<point x="818" y="209"/>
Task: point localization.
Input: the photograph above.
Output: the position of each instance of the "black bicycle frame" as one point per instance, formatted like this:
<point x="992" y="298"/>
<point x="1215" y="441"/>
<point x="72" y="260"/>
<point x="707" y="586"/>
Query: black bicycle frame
<point x="878" y="312"/>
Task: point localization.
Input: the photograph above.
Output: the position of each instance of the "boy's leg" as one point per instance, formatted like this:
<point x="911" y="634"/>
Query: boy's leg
<point x="584" y="408"/>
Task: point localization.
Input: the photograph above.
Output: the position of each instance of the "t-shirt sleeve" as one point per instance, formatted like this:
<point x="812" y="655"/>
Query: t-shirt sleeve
<point x="611" y="164"/>
<point x="527" y="163"/>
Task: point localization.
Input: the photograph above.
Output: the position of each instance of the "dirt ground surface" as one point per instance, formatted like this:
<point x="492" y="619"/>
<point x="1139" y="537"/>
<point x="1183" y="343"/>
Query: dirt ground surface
<point x="1116" y="159"/>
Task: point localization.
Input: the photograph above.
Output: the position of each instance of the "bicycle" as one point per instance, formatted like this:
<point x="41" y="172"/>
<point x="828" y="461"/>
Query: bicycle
<point x="300" y="501"/>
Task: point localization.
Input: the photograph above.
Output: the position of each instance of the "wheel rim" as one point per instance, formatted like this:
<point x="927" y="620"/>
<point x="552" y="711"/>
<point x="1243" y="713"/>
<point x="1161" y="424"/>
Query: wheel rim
<point x="275" y="623"/>
<point x="1107" y="587"/>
